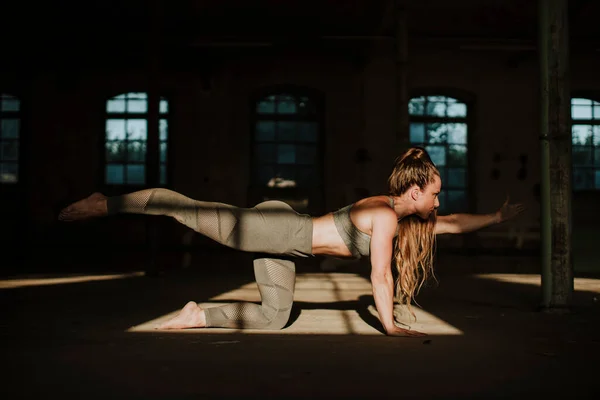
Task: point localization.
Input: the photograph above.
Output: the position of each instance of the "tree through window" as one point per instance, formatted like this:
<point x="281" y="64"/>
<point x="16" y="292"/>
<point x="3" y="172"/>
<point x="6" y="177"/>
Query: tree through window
<point x="127" y="136"/>
<point x="585" y="116"/>
<point x="439" y="124"/>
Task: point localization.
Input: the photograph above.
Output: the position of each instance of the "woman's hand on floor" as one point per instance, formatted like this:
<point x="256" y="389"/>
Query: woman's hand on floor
<point x="397" y="331"/>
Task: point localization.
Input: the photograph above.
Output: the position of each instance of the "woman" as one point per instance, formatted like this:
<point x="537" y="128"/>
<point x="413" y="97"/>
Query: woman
<point x="400" y="227"/>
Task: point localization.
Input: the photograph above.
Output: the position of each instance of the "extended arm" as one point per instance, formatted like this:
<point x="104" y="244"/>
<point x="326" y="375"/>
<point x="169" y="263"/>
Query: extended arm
<point x="463" y="223"/>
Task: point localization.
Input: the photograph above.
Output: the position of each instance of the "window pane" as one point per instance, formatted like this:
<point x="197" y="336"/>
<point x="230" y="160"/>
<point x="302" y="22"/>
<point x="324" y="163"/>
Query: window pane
<point x="163" y="174"/>
<point x="163" y="128"/>
<point x="307" y="131"/>
<point x="286" y="154"/>
<point x="9" y="173"/>
<point x="115" y="174"/>
<point x="135" y="174"/>
<point x="437" y="154"/>
<point x="583" y="178"/>
<point x="137" y="106"/>
<point x="437" y="98"/>
<point x="137" y="102"/>
<point x="266" y="106"/>
<point x="264" y="153"/>
<point x="457" y="155"/>
<point x="163" y="152"/>
<point x="596" y="135"/>
<point x="265" y="131"/>
<point x="115" y="151"/>
<point x="137" y="96"/>
<point x="436" y="109"/>
<point x="306" y="107"/>
<point x="581" y="112"/>
<point x="416" y="106"/>
<point x="115" y="106"/>
<point x="136" y="151"/>
<point x="456" y="201"/>
<point x="417" y="133"/>
<point x="582" y="134"/>
<point x="136" y="129"/>
<point x="596" y="112"/>
<point x="10" y="103"/>
<point x="115" y="129"/>
<point x="286" y="105"/>
<point x="457" y="177"/>
<point x="306" y="155"/>
<point x="457" y="133"/>
<point x="163" y="107"/>
<point x="286" y="131"/>
<point x="437" y="133"/>
<point x="9" y="150"/>
<point x="597" y="157"/>
<point x="597" y="172"/>
<point x="457" y="110"/>
<point x="9" y="129"/>
<point x="580" y="101"/>
<point x="582" y="155"/>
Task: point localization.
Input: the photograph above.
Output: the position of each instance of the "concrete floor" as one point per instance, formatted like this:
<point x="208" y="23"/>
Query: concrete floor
<point x="76" y="337"/>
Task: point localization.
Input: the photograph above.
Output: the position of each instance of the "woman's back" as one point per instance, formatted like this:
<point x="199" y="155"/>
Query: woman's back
<point x="361" y="212"/>
<point x="347" y="231"/>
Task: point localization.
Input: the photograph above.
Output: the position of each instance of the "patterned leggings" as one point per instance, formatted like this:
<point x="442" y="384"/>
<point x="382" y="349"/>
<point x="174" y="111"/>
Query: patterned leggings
<point x="269" y="227"/>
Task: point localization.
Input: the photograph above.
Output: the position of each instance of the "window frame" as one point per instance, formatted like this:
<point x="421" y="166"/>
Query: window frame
<point x="469" y="100"/>
<point x="586" y="95"/>
<point x="116" y="187"/>
<point x="21" y="143"/>
<point x="297" y="91"/>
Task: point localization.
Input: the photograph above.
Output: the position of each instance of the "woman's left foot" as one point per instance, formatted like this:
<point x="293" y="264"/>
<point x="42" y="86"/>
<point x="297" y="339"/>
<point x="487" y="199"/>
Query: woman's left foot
<point x="191" y="316"/>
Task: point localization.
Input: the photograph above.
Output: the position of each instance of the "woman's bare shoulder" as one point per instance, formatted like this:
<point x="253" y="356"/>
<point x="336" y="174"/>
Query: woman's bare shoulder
<point x="374" y="202"/>
<point x="374" y="208"/>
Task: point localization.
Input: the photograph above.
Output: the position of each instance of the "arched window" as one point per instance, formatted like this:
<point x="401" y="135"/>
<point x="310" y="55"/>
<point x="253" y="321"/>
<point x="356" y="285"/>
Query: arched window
<point x="439" y="124"/>
<point x="10" y="127"/>
<point x="286" y="142"/>
<point x="585" y="117"/>
<point x="127" y="136"/>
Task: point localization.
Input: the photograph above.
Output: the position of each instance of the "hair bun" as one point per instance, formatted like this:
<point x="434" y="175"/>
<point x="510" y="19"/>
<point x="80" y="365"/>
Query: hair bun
<point x="414" y="153"/>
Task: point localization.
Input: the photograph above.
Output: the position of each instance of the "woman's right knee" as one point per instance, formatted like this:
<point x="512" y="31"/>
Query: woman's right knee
<point x="280" y="320"/>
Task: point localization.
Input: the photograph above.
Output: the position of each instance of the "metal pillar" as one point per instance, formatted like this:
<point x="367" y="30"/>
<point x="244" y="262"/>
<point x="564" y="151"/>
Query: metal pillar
<point x="557" y="264"/>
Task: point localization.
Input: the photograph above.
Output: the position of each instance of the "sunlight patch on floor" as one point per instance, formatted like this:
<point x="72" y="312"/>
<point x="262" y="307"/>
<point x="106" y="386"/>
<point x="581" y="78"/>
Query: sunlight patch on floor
<point x="580" y="284"/>
<point x="45" y="280"/>
<point x="329" y="304"/>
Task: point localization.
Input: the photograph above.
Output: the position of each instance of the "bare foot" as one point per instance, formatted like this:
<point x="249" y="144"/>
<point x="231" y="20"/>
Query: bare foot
<point x="191" y="316"/>
<point x="90" y="207"/>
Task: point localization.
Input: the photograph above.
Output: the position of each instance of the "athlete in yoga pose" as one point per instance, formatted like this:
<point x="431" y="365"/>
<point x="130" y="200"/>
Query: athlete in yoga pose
<point x="399" y="228"/>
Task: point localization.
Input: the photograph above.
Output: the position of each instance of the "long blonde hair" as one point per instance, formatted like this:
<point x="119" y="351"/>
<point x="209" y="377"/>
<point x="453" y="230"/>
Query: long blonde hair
<point x="415" y="244"/>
